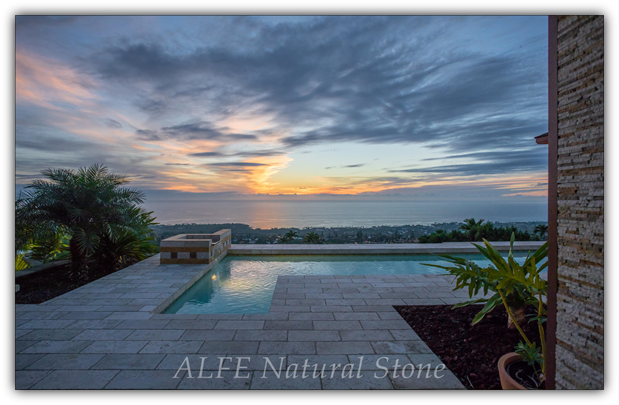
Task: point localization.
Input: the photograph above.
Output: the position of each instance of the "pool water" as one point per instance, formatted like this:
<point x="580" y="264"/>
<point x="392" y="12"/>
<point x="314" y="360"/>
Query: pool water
<point x="245" y="284"/>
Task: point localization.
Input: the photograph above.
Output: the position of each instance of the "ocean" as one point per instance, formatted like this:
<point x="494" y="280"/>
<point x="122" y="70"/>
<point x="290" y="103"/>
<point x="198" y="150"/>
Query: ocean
<point x="268" y="214"/>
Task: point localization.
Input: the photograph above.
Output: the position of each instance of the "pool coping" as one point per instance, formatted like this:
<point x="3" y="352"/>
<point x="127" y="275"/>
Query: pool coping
<point x="374" y="249"/>
<point x="107" y="334"/>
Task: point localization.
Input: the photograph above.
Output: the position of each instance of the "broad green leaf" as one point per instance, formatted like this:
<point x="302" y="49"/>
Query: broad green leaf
<point x="490" y="305"/>
<point x="467" y="303"/>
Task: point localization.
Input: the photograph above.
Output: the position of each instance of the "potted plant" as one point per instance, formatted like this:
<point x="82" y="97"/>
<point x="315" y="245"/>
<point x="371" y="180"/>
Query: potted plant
<point x="515" y="287"/>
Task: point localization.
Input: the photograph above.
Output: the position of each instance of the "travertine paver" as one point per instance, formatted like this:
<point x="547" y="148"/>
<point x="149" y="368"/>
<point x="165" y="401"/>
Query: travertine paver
<point x="128" y="362"/>
<point x="109" y="334"/>
<point x="75" y="379"/>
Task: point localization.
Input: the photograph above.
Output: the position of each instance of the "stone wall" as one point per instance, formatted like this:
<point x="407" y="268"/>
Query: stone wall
<point x="194" y="248"/>
<point x="222" y="245"/>
<point x="580" y="188"/>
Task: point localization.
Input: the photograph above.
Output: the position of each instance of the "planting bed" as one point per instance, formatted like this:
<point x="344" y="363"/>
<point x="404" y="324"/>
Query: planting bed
<point x="470" y="352"/>
<point x="45" y="285"/>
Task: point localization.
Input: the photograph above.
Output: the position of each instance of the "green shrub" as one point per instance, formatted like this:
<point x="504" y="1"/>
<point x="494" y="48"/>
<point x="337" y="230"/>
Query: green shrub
<point x="515" y="286"/>
<point x="93" y="207"/>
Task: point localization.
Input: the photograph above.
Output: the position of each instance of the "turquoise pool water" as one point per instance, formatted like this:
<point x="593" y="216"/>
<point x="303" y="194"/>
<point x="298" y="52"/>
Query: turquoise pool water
<point x="244" y="284"/>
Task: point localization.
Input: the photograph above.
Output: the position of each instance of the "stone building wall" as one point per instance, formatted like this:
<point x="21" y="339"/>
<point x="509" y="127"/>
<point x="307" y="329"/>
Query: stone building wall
<point x="580" y="188"/>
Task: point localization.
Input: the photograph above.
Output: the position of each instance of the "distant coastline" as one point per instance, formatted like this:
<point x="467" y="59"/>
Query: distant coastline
<point x="243" y="233"/>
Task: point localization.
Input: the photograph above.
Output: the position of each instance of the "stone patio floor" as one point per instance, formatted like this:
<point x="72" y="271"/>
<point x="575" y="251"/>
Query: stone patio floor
<point x="107" y="334"/>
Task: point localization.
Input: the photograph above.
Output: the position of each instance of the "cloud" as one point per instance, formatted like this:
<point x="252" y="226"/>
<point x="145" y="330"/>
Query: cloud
<point x="154" y="195"/>
<point x="487" y="163"/>
<point x="194" y="131"/>
<point x="54" y="144"/>
<point x="148" y="135"/>
<point x="362" y="79"/>
<point x="152" y="107"/>
<point x="49" y="83"/>
<point x="110" y="123"/>
<point x="264" y="90"/>
<point x="259" y="153"/>
<point x="235" y="164"/>
<point x="23" y="22"/>
<point x="346" y="166"/>
<point x="207" y="154"/>
<point x="246" y="154"/>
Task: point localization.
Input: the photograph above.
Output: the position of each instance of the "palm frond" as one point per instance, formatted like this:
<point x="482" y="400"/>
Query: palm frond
<point x="90" y="203"/>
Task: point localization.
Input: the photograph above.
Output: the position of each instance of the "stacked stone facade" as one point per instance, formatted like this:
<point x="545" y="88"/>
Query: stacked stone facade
<point x="195" y="248"/>
<point x="580" y="199"/>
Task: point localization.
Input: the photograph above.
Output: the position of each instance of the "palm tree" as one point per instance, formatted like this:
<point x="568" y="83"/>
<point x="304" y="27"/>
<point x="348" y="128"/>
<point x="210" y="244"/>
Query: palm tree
<point x="289" y="236"/>
<point x="24" y="232"/>
<point x="129" y="246"/>
<point x="473" y="228"/>
<point x="541" y="230"/>
<point x="312" y="237"/>
<point x="50" y="247"/>
<point x="90" y="204"/>
<point x="470" y="224"/>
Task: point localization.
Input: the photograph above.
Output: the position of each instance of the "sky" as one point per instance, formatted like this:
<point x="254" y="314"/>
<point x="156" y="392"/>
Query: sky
<point x="242" y="106"/>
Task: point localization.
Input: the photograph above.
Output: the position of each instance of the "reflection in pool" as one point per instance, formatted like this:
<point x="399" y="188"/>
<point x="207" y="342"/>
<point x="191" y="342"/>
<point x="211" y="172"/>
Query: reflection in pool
<point x="244" y="284"/>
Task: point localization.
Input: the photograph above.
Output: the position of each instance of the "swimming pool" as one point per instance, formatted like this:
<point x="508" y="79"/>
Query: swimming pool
<point x="244" y="284"/>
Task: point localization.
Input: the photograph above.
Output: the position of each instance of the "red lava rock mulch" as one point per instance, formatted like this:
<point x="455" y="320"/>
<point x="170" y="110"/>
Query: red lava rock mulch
<point x="470" y="352"/>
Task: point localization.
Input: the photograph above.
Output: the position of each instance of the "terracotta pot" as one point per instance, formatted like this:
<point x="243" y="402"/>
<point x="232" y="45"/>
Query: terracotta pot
<point x="507" y="382"/>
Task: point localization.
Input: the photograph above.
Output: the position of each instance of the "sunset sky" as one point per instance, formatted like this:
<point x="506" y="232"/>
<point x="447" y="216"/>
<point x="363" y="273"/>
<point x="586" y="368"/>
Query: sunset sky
<point x="424" y="106"/>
